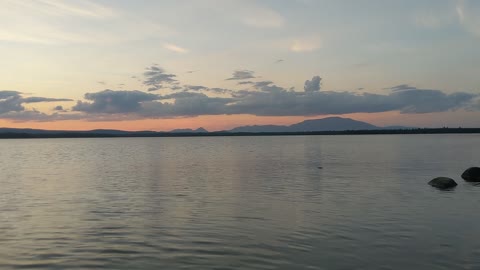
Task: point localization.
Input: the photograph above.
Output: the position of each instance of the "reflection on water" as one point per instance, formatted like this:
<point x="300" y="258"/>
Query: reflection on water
<point x="238" y="203"/>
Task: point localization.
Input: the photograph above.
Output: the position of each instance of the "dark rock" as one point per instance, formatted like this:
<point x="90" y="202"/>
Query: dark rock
<point x="443" y="183"/>
<point x="471" y="174"/>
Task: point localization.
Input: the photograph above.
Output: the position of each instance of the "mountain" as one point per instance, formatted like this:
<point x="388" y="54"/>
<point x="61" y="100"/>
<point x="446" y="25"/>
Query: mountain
<point x="324" y="124"/>
<point x="189" y="130"/>
<point x="331" y="124"/>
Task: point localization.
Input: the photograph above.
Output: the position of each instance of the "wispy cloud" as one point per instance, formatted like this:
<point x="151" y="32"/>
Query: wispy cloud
<point x="54" y="22"/>
<point x="174" y="48"/>
<point x="468" y="15"/>
<point x="79" y="8"/>
<point x="308" y="44"/>
<point x="64" y="8"/>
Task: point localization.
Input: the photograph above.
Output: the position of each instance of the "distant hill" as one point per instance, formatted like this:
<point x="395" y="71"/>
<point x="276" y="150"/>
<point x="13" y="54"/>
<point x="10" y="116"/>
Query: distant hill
<point x="264" y="128"/>
<point x="189" y="130"/>
<point x="315" y="125"/>
<point x="324" y="124"/>
<point x="26" y="130"/>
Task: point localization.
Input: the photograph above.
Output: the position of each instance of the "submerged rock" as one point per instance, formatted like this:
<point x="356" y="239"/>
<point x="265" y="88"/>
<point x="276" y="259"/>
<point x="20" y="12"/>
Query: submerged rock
<point x="443" y="183"/>
<point x="471" y="174"/>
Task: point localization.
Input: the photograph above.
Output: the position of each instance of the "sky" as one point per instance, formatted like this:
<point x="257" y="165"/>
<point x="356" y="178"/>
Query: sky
<point x="218" y="64"/>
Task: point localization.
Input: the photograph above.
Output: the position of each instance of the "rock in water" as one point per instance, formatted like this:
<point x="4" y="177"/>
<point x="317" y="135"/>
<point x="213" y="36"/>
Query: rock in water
<point x="442" y="183"/>
<point x="472" y="174"/>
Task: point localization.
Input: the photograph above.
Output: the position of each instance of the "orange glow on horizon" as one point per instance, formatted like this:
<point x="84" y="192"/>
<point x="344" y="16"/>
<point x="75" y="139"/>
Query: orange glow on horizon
<point x="211" y="123"/>
<point x="226" y="122"/>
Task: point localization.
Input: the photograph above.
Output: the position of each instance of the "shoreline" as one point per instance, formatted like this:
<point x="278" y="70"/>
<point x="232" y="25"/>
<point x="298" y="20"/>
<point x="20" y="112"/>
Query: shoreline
<point x="135" y="134"/>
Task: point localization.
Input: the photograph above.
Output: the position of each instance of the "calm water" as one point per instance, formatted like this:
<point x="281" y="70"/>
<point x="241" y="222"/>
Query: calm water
<point x="239" y="203"/>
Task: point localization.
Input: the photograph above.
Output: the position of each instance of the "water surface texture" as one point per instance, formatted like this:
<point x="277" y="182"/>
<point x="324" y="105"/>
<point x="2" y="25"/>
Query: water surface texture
<point x="239" y="203"/>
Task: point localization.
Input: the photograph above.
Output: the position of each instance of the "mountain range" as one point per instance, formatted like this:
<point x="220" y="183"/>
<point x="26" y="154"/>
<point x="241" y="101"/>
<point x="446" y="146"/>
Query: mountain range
<point x="315" y="125"/>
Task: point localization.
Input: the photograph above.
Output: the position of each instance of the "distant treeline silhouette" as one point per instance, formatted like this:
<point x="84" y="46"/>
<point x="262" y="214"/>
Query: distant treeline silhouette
<point x="93" y="134"/>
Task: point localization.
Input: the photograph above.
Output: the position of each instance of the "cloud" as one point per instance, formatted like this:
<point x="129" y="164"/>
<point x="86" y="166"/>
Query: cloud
<point x="308" y="44"/>
<point x="60" y="22"/>
<point x="186" y="104"/>
<point x="282" y="102"/>
<point x="242" y="75"/>
<point x="245" y="82"/>
<point x="43" y="21"/>
<point x="83" y="8"/>
<point x="110" y="101"/>
<point x="195" y="87"/>
<point x="262" y="98"/>
<point x="156" y="78"/>
<point x="5" y="94"/>
<point x="312" y="85"/>
<point x="11" y="102"/>
<point x="262" y="85"/>
<point x="174" y="48"/>
<point x="401" y="87"/>
<point x="272" y="100"/>
<point x="468" y="15"/>
<point x="42" y="99"/>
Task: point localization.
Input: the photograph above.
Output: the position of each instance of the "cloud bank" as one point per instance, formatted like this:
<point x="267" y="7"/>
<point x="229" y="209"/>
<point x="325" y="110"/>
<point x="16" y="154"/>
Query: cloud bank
<point x="260" y="98"/>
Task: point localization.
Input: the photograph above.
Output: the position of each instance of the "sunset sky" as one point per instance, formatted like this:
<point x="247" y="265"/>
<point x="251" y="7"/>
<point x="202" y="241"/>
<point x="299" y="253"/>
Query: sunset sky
<point x="161" y="65"/>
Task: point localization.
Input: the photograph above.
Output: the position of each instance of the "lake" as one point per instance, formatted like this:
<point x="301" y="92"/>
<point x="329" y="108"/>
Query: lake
<point x="239" y="203"/>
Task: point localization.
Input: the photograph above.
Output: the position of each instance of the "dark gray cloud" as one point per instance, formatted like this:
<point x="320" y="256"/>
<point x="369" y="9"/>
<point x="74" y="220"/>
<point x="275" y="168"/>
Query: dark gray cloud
<point x="245" y="82"/>
<point x="262" y="84"/>
<point x="110" y="101"/>
<point x="156" y="78"/>
<point x="220" y="90"/>
<point x="195" y="87"/>
<point x="180" y="95"/>
<point x="269" y="99"/>
<point x="4" y="94"/>
<point x="199" y="88"/>
<point x="283" y="102"/>
<point x="401" y="87"/>
<point x="312" y="85"/>
<point x="11" y="102"/>
<point x="242" y="75"/>
<point x="428" y="101"/>
<point x="185" y="104"/>
<point x="42" y="99"/>
<point x="262" y="98"/>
